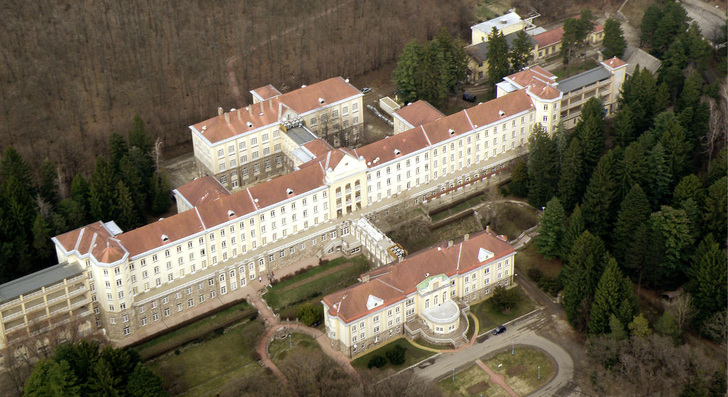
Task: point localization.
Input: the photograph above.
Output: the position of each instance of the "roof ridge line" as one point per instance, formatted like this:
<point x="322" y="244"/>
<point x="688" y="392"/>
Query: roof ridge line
<point x="388" y="285"/>
<point x="200" y="218"/>
<point x="252" y="200"/>
<point x="427" y="137"/>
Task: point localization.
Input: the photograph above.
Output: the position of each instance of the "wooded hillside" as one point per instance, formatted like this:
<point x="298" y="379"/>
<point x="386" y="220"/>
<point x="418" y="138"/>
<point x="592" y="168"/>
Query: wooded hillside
<point x="74" y="72"/>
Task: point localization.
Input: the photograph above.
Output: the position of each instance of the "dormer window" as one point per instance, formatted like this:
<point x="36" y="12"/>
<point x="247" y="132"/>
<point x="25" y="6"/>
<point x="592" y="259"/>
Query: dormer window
<point x="451" y="131"/>
<point x="289" y="191"/>
<point x="397" y="152"/>
<point x="501" y="113"/>
<point x="231" y="213"/>
<point x="165" y="238"/>
<point x="250" y="125"/>
<point x="321" y="100"/>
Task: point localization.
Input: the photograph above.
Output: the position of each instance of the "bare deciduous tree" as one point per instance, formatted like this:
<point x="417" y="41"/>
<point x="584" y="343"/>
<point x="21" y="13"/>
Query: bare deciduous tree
<point x="682" y="309"/>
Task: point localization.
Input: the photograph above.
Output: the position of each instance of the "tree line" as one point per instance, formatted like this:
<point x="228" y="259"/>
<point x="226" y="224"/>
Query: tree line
<point x="126" y="188"/>
<point x="639" y="200"/>
<point x="432" y="70"/>
<point x="85" y="369"/>
<point x="504" y="59"/>
<point x="84" y="69"/>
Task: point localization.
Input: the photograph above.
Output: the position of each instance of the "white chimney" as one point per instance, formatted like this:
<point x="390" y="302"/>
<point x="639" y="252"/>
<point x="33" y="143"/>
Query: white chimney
<point x="220" y="111"/>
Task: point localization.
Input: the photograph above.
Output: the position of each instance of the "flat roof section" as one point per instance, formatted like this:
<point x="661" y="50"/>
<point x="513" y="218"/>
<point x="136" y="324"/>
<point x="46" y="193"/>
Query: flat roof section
<point x="301" y="135"/>
<point x="35" y="281"/>
<point x="583" y="79"/>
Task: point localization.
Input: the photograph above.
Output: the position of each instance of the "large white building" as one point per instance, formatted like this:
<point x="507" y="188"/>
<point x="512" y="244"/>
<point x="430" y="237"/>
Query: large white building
<point x="427" y="294"/>
<point x="140" y="282"/>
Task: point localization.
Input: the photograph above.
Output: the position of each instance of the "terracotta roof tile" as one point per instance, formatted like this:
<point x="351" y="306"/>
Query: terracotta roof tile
<point x="318" y="147"/>
<point x="393" y="147"/>
<point x="418" y="113"/>
<point x="202" y="190"/>
<point x="276" y="189"/>
<point x="151" y="236"/>
<point x="490" y="112"/>
<point x="242" y="120"/>
<point x="447" y="127"/>
<point x="615" y="63"/>
<point x="549" y="37"/>
<point x="266" y="92"/>
<point x="394" y="282"/>
<point x="307" y="98"/>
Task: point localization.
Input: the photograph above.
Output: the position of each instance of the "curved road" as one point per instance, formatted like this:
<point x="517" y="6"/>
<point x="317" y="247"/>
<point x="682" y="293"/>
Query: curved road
<point x="521" y="332"/>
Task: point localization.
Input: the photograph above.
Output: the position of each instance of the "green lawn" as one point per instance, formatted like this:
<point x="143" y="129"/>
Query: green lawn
<point x="412" y="356"/>
<point x="279" y="348"/>
<point x="207" y="366"/>
<point x="195" y="330"/>
<point x="471" y="328"/>
<point x="489" y="317"/>
<point x="521" y="369"/>
<point x="473" y="378"/>
<point x="281" y="296"/>
<point x="529" y="258"/>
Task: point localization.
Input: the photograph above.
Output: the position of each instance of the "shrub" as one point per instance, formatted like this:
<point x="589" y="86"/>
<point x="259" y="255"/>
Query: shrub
<point x="256" y="355"/>
<point x="504" y="299"/>
<point x="377" y="361"/>
<point x="309" y="314"/>
<point x="550" y="284"/>
<point x="396" y="355"/>
<point x="177" y="352"/>
<point x="534" y="274"/>
<point x="253" y="316"/>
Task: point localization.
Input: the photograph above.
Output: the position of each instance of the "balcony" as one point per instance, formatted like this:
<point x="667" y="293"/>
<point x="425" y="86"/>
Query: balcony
<point x="12" y="316"/>
<point x="14" y="328"/>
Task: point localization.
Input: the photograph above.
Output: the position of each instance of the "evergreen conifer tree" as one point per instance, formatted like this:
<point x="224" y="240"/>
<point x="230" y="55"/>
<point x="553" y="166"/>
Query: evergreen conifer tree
<point x="574" y="229"/>
<point x="659" y="178"/>
<point x="623" y="129"/>
<point x="572" y="182"/>
<point x="48" y="188"/>
<point x="543" y="167"/>
<point x="613" y="297"/>
<point x="498" y="64"/>
<point x="551" y="229"/>
<point x="520" y="54"/>
<point x="614" y="43"/>
<point x="716" y="203"/>
<point x="708" y="279"/>
<point x="634" y="213"/>
<point x="580" y="277"/>
<point x="598" y="203"/>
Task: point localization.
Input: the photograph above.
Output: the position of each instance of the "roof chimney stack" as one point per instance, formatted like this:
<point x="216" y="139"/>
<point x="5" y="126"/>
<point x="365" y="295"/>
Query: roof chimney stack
<point x="466" y="237"/>
<point x="220" y="111"/>
<point x="250" y="111"/>
<point x="487" y="229"/>
<point x="449" y="243"/>
<point x="227" y="117"/>
<point x="270" y="103"/>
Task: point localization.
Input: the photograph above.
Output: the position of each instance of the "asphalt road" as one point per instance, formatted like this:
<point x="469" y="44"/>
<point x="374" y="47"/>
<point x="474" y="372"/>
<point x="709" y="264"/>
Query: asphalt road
<point x="522" y="333"/>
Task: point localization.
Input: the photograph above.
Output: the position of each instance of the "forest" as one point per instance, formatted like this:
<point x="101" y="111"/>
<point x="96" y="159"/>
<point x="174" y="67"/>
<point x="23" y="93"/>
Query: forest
<point x="74" y="72"/>
<point x="638" y="201"/>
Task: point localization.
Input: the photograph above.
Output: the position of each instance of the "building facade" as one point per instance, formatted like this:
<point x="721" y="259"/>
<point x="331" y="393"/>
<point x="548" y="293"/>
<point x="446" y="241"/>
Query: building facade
<point x="142" y="281"/>
<point x="426" y="290"/>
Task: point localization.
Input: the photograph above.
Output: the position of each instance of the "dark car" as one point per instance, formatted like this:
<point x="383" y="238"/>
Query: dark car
<point x="469" y="97"/>
<point x="365" y="90"/>
<point x="499" y="330"/>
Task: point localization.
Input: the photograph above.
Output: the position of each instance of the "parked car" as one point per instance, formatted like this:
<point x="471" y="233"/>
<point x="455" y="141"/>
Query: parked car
<point x="469" y="97"/>
<point x="499" y="330"/>
<point x="366" y="90"/>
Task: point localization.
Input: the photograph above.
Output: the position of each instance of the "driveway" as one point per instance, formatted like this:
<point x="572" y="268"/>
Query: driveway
<point x="522" y="333"/>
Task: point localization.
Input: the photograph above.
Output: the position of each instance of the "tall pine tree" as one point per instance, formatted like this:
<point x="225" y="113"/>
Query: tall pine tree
<point x="614" y="296"/>
<point x="543" y="167"/>
<point x="551" y="229"/>
<point x="598" y="203"/>
<point x="708" y="279"/>
<point x="630" y="229"/>
<point x="580" y="276"/>
<point x="572" y="182"/>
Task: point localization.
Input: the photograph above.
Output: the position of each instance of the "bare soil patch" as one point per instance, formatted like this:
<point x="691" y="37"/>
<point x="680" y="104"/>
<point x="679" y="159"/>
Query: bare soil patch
<point x="477" y="388"/>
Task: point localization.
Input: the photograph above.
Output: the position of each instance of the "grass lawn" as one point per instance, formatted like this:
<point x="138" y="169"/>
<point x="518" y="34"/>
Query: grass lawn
<point x="473" y="381"/>
<point x="489" y="317"/>
<point x="471" y="327"/>
<point x="452" y="231"/>
<point x="413" y="355"/>
<point x="304" y="344"/>
<point x="529" y="258"/>
<point x="469" y="203"/>
<point x="521" y="369"/>
<point x="194" y="330"/>
<point x="207" y="366"/>
<point x="308" y="286"/>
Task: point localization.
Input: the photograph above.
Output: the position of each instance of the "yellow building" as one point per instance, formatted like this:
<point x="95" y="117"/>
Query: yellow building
<point x="506" y="24"/>
<point x="427" y="295"/>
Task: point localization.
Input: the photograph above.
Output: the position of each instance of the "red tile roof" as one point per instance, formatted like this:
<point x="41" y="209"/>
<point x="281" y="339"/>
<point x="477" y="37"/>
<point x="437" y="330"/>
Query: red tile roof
<point x="94" y="239"/>
<point x="241" y="120"/>
<point x="318" y="147"/>
<point x="266" y="112"/>
<point x="549" y="37"/>
<point x="394" y="282"/>
<point x="615" y="63"/>
<point x="307" y="98"/>
<point x="490" y="112"/>
<point x="393" y="147"/>
<point x="276" y="189"/>
<point x="266" y="92"/>
<point x="418" y="113"/>
<point x="202" y="190"/>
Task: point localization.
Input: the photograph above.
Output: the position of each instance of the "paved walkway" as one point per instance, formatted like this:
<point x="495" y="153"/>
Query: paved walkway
<point x="498" y="379"/>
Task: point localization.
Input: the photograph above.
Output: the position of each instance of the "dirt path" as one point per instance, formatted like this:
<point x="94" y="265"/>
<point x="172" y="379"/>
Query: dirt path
<point x="274" y="325"/>
<point x="498" y="379"/>
<point x="318" y="276"/>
